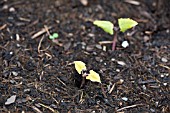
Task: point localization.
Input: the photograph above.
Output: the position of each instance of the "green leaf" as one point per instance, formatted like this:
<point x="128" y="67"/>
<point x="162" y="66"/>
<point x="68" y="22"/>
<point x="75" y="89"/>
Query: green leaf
<point x="93" y="76"/>
<point x="107" y="26"/>
<point x="80" y="66"/>
<point x="55" y="35"/>
<point x="126" y="23"/>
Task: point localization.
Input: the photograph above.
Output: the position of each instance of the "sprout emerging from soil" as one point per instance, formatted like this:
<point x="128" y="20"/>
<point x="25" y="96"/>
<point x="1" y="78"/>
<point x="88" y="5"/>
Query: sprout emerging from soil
<point x="89" y="75"/>
<point x="108" y="27"/>
<point x="53" y="36"/>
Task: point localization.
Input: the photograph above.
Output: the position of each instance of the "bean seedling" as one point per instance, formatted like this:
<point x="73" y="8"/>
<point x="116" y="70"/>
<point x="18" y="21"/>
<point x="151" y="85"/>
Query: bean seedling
<point x="108" y="27"/>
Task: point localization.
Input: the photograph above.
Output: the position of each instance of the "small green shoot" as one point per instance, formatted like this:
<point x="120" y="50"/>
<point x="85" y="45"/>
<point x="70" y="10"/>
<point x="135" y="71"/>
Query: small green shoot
<point x="53" y="36"/>
<point x="107" y="26"/>
<point x="91" y="75"/>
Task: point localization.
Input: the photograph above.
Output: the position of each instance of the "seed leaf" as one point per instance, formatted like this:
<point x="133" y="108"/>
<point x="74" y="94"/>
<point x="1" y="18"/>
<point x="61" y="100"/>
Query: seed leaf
<point x="79" y="66"/>
<point x="126" y="23"/>
<point x="107" y="26"/>
<point x="55" y="35"/>
<point x="93" y="76"/>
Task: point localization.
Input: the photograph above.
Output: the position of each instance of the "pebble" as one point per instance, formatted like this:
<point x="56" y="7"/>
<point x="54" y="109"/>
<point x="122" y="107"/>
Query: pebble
<point x="98" y="46"/>
<point x="91" y="35"/>
<point x="125" y="98"/>
<point x="10" y="100"/>
<point x="11" y="53"/>
<point x="104" y="48"/>
<point x="84" y="2"/>
<point x="17" y="37"/>
<point x="165" y="84"/>
<point x="125" y="44"/>
<point x="121" y="63"/>
<point x="89" y="48"/>
<point x="117" y="70"/>
<point x="164" y="60"/>
<point x="162" y="76"/>
<point x="113" y="59"/>
<point x="11" y="9"/>
<point x="146" y="38"/>
<point x="144" y="87"/>
<point x="14" y="73"/>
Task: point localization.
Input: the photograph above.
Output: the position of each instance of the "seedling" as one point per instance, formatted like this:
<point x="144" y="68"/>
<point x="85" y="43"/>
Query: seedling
<point x="108" y="27"/>
<point x="53" y="36"/>
<point x="89" y="75"/>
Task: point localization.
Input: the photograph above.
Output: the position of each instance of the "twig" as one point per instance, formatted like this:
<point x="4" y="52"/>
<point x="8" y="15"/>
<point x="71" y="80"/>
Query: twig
<point x="51" y="109"/>
<point x="40" y="32"/>
<point x="127" y="107"/>
<point x="82" y="82"/>
<point x="164" y="66"/>
<point x="103" y="92"/>
<point x="46" y="28"/>
<point x="2" y="27"/>
<point x="113" y="86"/>
<point x="39" y="45"/>
<point x="61" y="82"/>
<point x="36" y="109"/>
<point x="105" y="42"/>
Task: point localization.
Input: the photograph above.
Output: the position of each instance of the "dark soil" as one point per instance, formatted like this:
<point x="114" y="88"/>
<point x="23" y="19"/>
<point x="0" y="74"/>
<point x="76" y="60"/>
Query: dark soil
<point x="39" y="72"/>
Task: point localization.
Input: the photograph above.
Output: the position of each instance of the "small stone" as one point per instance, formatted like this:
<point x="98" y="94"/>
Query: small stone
<point x="14" y="73"/>
<point x="11" y="9"/>
<point x="11" y="53"/>
<point x="144" y="87"/>
<point x="146" y="38"/>
<point x="98" y="46"/>
<point x="164" y="60"/>
<point x="165" y="84"/>
<point x="104" y="48"/>
<point x="18" y="45"/>
<point x="125" y="98"/>
<point x="27" y="90"/>
<point x="70" y="34"/>
<point x="121" y="63"/>
<point x="89" y="48"/>
<point x="113" y="59"/>
<point x="120" y="81"/>
<point x="10" y="100"/>
<point x="125" y="44"/>
<point x="156" y="103"/>
<point x="162" y="76"/>
<point x="84" y="2"/>
<point x="5" y="7"/>
<point x="91" y="35"/>
<point x="17" y="37"/>
<point x="117" y="70"/>
<point x="152" y="110"/>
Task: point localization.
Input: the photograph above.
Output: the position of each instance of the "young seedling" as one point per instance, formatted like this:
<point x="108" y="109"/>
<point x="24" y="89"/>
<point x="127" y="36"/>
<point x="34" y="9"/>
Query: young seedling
<point x="89" y="75"/>
<point x="53" y="36"/>
<point x="108" y="27"/>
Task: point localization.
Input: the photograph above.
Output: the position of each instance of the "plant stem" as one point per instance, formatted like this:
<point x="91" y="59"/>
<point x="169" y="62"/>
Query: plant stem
<point x="114" y="39"/>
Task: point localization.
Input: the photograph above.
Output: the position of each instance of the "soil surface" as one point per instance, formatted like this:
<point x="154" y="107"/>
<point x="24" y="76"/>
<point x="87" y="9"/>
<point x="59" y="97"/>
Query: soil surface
<point x="37" y="74"/>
